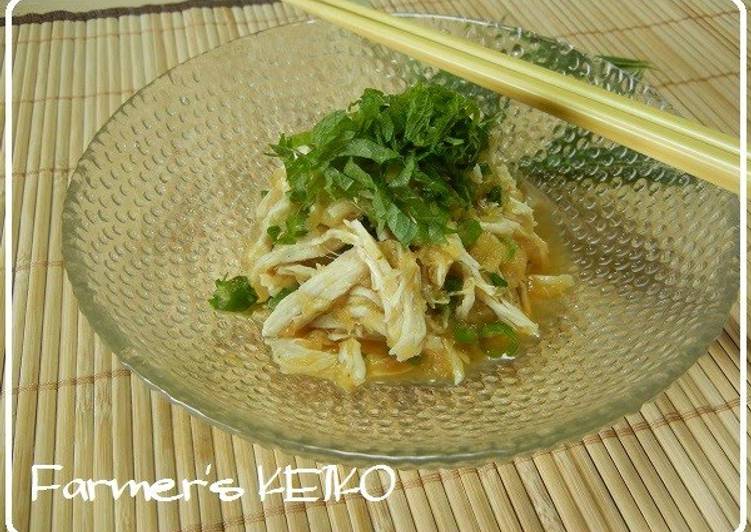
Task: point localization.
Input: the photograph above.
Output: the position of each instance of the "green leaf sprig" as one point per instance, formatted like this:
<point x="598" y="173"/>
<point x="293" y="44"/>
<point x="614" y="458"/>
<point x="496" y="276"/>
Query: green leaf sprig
<point x="404" y="159"/>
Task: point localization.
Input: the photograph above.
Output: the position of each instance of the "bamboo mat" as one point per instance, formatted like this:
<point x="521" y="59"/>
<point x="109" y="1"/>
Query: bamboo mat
<point x="672" y="465"/>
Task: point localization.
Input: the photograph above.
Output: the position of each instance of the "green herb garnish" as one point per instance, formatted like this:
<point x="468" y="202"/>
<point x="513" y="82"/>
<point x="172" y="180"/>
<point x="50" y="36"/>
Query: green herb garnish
<point x="294" y="228"/>
<point x="233" y="295"/>
<point x="469" y="231"/>
<point x="498" y="339"/>
<point x="511" y="247"/>
<point x="497" y="280"/>
<point x="404" y="159"/>
<point x="452" y="284"/>
<point x="274" y="300"/>
<point x="495" y="195"/>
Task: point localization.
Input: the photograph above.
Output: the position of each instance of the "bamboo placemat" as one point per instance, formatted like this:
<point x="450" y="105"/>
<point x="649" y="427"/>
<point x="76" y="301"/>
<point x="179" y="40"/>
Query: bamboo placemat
<point x="673" y="464"/>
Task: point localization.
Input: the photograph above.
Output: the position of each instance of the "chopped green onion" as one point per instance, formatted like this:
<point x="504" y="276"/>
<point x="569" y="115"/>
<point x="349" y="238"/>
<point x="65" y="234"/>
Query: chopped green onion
<point x="233" y="295"/>
<point x="494" y="330"/>
<point x="465" y="334"/>
<point x="274" y="231"/>
<point x="497" y="328"/>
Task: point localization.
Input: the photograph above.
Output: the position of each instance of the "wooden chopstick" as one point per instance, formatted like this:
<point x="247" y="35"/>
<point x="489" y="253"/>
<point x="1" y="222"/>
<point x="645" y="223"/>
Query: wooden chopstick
<point x="698" y="150"/>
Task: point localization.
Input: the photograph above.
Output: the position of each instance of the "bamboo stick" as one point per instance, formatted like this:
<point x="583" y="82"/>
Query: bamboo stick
<point x="582" y="496"/>
<point x="32" y="323"/>
<point x="165" y="466"/>
<point x="459" y="500"/>
<point x="224" y="464"/>
<point x="723" y="423"/>
<point x="275" y="519"/>
<point x="706" y="426"/>
<point x="684" y="467"/>
<point x="729" y="415"/>
<point x="44" y="434"/>
<point x="380" y="514"/>
<point x="469" y="482"/>
<point x="358" y="511"/>
<point x="398" y="505"/>
<point x="439" y="503"/>
<point x="546" y="509"/>
<point x="188" y="510"/>
<point x="720" y="353"/>
<point x="203" y="456"/>
<point x="564" y="502"/>
<point x="498" y="499"/>
<point x="317" y="516"/>
<point x="604" y="497"/>
<point x="133" y="58"/>
<point x="241" y="22"/>
<point x="24" y="89"/>
<point x="417" y="500"/>
<point x="103" y="508"/>
<point x="209" y="28"/>
<point x="247" y="477"/>
<point x="643" y="448"/>
<point x="25" y="159"/>
<point x="635" y="502"/>
<point x="296" y="518"/>
<point x="520" y="499"/>
<point x="83" y="463"/>
<point x="718" y="380"/>
<point x="711" y="463"/>
<point x="231" y="30"/>
<point x="19" y="60"/>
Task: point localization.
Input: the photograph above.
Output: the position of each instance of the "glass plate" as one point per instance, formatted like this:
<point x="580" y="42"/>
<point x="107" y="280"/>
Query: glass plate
<point x="162" y="201"/>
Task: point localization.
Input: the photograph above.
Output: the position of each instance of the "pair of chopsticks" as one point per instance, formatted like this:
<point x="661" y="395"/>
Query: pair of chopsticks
<point x="682" y="143"/>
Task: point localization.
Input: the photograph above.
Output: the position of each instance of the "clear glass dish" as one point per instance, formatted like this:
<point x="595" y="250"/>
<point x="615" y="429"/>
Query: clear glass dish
<point x="161" y="202"/>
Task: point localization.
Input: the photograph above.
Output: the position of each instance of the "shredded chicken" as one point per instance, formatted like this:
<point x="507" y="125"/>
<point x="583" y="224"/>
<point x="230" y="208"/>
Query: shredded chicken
<point x="347" y="289"/>
<point x="356" y="316"/>
<point x="298" y="355"/>
<point x="350" y="357"/>
<point x="398" y="286"/>
<point x="315" y="295"/>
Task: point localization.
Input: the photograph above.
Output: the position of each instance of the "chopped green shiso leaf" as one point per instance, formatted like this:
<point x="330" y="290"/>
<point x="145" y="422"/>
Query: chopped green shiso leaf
<point x="404" y="159"/>
<point x="469" y="231"/>
<point x="233" y="295"/>
<point x="495" y="195"/>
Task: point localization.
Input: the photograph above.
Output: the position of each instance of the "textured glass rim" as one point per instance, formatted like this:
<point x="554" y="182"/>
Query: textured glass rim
<point x="607" y="413"/>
